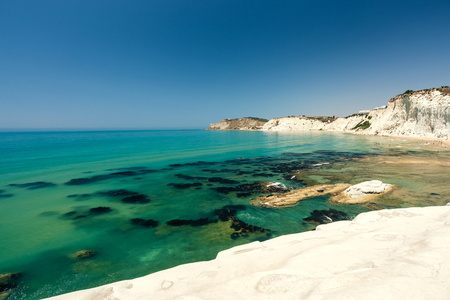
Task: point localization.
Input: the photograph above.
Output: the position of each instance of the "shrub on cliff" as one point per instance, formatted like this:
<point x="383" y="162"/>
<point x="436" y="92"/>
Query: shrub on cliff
<point x="362" y="125"/>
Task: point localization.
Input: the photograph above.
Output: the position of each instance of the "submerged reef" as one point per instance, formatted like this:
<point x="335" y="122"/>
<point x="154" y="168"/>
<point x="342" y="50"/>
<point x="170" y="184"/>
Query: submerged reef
<point x="34" y="185"/>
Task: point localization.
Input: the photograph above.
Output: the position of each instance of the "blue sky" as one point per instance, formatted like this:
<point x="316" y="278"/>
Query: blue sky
<point x="184" y="64"/>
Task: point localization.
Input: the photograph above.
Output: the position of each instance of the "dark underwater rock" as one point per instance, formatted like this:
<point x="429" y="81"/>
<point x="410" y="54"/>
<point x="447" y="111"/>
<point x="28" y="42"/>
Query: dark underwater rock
<point x="263" y="175"/>
<point x="209" y="179"/>
<point x="202" y="163"/>
<point x="118" y="193"/>
<point x="136" y="199"/>
<point x="143" y="222"/>
<point x="188" y="177"/>
<point x="222" y="180"/>
<point x="289" y="167"/>
<point x="219" y="171"/>
<point x="175" y="165"/>
<point x="128" y="196"/>
<point x="185" y="185"/>
<point x="243" y="229"/>
<point x="100" y="210"/>
<point x="8" y="282"/>
<point x="195" y="223"/>
<point x="33" y="185"/>
<point x="96" y="178"/>
<point x="82" y="214"/>
<point x="224" y="214"/>
<point x="228" y="212"/>
<point x="80" y="181"/>
<point x="326" y="216"/>
<point x="83" y="254"/>
<point x="79" y="196"/>
<point x="70" y="213"/>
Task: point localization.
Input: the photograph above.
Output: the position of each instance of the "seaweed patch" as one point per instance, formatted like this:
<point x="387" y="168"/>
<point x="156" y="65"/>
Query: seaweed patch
<point x="96" y="178"/>
<point x="33" y="185"/>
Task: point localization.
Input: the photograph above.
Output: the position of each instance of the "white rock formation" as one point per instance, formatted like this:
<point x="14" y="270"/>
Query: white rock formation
<point x="423" y="113"/>
<point x="277" y="186"/>
<point x="387" y="254"/>
<point x="365" y="191"/>
<point x="367" y="187"/>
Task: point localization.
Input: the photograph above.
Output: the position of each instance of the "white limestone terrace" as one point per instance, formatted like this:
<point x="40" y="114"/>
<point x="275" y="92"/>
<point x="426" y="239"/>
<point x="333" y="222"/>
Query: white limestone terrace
<point x="386" y="254"/>
<point x="424" y="113"/>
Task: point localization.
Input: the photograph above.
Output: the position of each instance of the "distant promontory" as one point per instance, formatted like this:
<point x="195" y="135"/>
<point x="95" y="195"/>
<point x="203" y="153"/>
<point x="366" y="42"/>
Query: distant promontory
<point x="247" y="123"/>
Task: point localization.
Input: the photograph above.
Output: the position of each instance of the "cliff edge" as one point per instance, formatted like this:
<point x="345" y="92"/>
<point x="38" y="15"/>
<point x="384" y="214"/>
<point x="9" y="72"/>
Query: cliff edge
<point x="248" y="123"/>
<point x="424" y="113"/>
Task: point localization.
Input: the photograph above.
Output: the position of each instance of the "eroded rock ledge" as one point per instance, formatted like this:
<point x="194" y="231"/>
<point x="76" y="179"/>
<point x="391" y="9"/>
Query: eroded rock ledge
<point x="292" y="197"/>
<point x="341" y="193"/>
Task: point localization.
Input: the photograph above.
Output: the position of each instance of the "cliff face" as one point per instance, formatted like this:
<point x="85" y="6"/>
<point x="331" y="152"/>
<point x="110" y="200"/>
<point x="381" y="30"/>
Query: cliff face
<point x="248" y="123"/>
<point x="423" y="113"/>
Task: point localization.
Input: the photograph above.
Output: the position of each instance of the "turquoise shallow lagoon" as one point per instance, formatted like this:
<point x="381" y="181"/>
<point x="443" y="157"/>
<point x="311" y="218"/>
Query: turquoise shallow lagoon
<point x="62" y="192"/>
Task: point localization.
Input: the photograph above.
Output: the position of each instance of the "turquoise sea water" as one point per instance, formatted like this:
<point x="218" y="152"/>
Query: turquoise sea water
<point x="62" y="192"/>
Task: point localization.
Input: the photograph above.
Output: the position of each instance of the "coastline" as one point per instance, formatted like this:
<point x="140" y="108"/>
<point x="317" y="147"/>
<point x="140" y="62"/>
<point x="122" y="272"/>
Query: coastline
<point x="389" y="254"/>
<point x="439" y="142"/>
<point x="442" y="143"/>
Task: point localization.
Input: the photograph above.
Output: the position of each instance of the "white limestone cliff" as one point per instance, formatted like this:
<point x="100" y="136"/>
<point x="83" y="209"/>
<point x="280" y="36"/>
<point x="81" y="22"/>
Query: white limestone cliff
<point x="423" y="113"/>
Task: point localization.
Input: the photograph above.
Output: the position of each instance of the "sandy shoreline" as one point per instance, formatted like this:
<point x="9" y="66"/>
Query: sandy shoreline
<point x="443" y="143"/>
<point x="438" y="142"/>
<point x="387" y="254"/>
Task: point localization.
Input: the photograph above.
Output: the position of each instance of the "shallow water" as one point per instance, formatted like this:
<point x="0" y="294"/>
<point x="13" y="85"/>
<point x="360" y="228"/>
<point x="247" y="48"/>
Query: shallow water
<point x="51" y="181"/>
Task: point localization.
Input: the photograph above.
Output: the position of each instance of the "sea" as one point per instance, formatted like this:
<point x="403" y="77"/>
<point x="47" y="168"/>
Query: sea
<point x="137" y="202"/>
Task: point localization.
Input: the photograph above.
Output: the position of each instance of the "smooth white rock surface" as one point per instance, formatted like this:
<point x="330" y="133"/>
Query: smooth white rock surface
<point x="366" y="187"/>
<point x="387" y="254"/>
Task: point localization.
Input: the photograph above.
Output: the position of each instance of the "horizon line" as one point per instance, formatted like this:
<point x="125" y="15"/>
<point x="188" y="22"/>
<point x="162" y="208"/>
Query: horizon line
<point x="6" y="130"/>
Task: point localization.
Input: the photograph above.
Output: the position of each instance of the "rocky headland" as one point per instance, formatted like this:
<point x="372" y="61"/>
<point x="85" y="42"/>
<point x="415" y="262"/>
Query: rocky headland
<point x="248" y="123"/>
<point x="386" y="254"/>
<point x="424" y="113"/>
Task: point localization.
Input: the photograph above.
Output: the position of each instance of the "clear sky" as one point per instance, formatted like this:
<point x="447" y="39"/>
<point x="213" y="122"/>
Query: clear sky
<point x="184" y="64"/>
